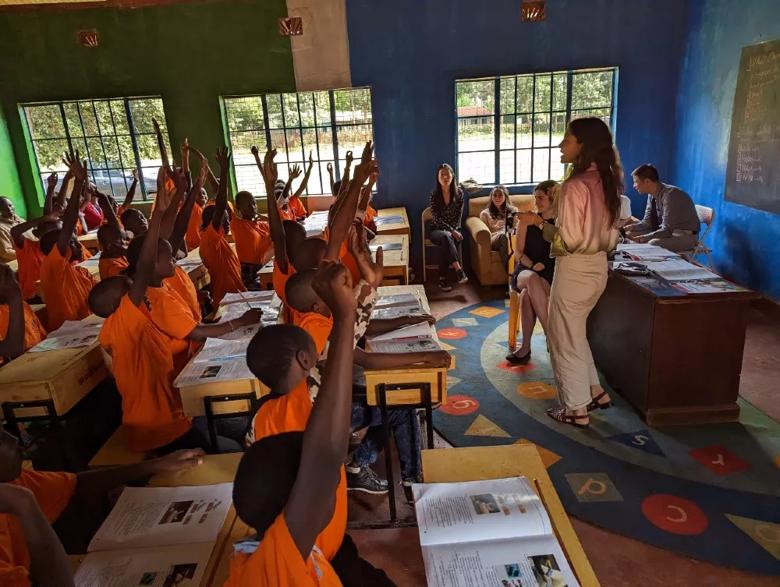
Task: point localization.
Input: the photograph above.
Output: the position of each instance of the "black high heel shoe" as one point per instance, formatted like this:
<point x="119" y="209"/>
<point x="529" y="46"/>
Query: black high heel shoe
<point x="515" y="360"/>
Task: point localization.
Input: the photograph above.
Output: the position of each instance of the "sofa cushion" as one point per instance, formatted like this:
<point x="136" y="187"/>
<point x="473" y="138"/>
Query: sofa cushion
<point x="524" y="202"/>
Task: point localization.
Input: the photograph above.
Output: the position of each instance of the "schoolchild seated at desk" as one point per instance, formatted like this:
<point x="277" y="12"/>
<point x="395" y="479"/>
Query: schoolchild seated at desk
<point x="20" y="328"/>
<point x="31" y="501"/>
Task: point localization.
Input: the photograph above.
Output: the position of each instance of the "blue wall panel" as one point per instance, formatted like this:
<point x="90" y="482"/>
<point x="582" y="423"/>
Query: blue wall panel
<point x="412" y="52"/>
<point x="745" y="241"/>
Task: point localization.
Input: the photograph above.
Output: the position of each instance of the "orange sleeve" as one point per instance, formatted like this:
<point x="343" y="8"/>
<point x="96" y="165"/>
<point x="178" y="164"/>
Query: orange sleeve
<point x="65" y="289"/>
<point x="192" y="237"/>
<point x="170" y="314"/>
<point x="318" y="327"/>
<point x="52" y="490"/>
<point x="370" y="215"/>
<point x="297" y="207"/>
<point x="111" y="267"/>
<point x="29" y="258"/>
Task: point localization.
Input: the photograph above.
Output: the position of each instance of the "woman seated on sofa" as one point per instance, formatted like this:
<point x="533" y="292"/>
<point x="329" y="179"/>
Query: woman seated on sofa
<point x="533" y="269"/>
<point x="494" y="217"/>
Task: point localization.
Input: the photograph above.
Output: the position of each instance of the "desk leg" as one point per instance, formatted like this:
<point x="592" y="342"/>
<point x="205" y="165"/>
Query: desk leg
<point x="382" y="392"/>
<point x="514" y="319"/>
<point x="426" y="397"/>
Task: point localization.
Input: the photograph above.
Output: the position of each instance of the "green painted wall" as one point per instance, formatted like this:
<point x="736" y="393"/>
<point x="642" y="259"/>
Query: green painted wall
<point x="9" y="178"/>
<point x="190" y="53"/>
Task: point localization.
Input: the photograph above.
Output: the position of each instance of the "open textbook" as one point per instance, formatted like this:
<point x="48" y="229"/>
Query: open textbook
<point x="409" y="339"/>
<point x="72" y="334"/>
<point x="388" y="307"/>
<point x="493" y="533"/>
<point x="218" y="360"/>
<point x="156" y="536"/>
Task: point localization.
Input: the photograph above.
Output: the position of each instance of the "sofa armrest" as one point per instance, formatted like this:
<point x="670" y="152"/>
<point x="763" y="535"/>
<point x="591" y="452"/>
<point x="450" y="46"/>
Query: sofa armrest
<point x="479" y="231"/>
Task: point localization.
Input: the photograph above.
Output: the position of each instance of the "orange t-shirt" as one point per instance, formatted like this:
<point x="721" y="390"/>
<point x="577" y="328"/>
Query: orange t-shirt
<point x="287" y="214"/>
<point x="290" y="413"/>
<point x="53" y="492"/>
<point x="65" y="288"/>
<point x="297" y="207"/>
<point x="192" y="236"/>
<point x="111" y="267"/>
<point x="253" y="239"/>
<point x="318" y="327"/>
<point x="29" y="259"/>
<point x="173" y="317"/>
<point x="277" y="562"/>
<point x="279" y="282"/>
<point x="183" y="285"/>
<point x="144" y="371"/>
<point x="34" y="331"/>
<point x="222" y="263"/>
<point x="370" y="215"/>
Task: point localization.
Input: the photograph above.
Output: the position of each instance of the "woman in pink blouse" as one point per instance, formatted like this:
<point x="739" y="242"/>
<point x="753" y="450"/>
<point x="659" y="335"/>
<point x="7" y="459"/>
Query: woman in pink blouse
<point x="583" y="233"/>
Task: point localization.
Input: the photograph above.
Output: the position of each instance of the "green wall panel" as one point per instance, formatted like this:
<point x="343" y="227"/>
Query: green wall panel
<point x="9" y="178"/>
<point x="190" y="53"/>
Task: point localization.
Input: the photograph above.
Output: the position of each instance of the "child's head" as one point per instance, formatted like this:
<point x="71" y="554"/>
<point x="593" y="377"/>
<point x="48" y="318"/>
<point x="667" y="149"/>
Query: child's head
<point x="11" y="457"/>
<point x="202" y="198"/>
<point x="112" y="241"/>
<point x="208" y="215"/>
<point x="45" y="227"/>
<point x="294" y="234"/>
<point x="49" y="240"/>
<point x="301" y="295"/>
<point x="279" y="192"/>
<point x="104" y="298"/>
<point x="265" y="478"/>
<point x="164" y="264"/>
<point x="247" y="207"/>
<point x="308" y="253"/>
<point x="280" y="352"/>
<point x="134" y="221"/>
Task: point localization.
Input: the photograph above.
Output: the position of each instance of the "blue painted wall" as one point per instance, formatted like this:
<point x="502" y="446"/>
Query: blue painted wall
<point x="412" y="52"/>
<point x="745" y="241"/>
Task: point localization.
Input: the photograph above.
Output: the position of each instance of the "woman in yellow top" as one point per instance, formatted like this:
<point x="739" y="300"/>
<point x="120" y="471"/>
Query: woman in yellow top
<point x="583" y="233"/>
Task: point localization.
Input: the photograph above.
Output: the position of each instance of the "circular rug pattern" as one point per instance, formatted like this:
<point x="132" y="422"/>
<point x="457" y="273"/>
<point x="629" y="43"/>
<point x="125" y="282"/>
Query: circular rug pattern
<point x="711" y="492"/>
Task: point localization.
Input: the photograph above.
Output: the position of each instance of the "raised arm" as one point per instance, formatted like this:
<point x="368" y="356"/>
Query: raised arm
<point x="131" y="192"/>
<point x="223" y="158"/>
<point x="108" y="210"/>
<point x="305" y="180"/>
<point x="51" y="185"/>
<point x="346" y="207"/>
<point x="17" y="232"/>
<point x="183" y="217"/>
<point x="59" y="201"/>
<point x="13" y="344"/>
<point x="179" y="189"/>
<point x="326" y="438"/>
<point x="269" y="172"/>
<point x="78" y="169"/>
<point x="185" y="163"/>
<point x="295" y="172"/>
<point x="348" y="164"/>
<point x="329" y="167"/>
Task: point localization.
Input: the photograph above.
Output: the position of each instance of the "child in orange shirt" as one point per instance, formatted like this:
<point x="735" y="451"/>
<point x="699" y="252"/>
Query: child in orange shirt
<point x="218" y="256"/>
<point x="113" y="242"/>
<point x="65" y="285"/>
<point x="272" y="489"/>
<point x="30" y="501"/>
<point x="29" y="256"/>
<point x="20" y="328"/>
<point x="253" y="239"/>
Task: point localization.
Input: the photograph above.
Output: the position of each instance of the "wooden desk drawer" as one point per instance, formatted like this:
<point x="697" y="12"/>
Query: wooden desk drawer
<point x="437" y="378"/>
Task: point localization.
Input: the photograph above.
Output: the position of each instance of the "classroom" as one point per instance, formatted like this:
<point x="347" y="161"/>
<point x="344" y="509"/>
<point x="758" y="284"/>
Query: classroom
<point x="413" y="292"/>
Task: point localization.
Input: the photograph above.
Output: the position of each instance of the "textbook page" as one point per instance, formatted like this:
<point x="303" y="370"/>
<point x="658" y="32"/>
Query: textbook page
<point x="163" y="516"/>
<point x="72" y="334"/>
<point x="397" y="306"/>
<point x="217" y="360"/>
<point x="679" y="270"/>
<point x="154" y="567"/>
<point x="479" y="510"/>
<point x="519" y="562"/>
<point x="409" y="339"/>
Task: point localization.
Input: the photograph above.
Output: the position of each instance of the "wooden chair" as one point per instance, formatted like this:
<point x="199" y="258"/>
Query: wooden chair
<point x="514" y="308"/>
<point x="706" y="216"/>
<point x="427" y="216"/>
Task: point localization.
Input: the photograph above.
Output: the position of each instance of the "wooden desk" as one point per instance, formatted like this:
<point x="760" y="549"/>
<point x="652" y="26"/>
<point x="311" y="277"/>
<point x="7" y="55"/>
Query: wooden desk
<point x="396" y="227"/>
<point x="396" y="262"/>
<point x="90" y="241"/>
<point x="192" y="396"/>
<point x="452" y="465"/>
<point x="195" y="268"/>
<point x="59" y="378"/>
<point x="676" y="358"/>
<point x="265" y="275"/>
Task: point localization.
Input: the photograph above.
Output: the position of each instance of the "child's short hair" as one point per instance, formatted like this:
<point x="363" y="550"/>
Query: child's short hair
<point x="299" y="292"/>
<point x="104" y="297"/>
<point x="272" y="350"/>
<point x="48" y="241"/>
<point x="208" y="216"/>
<point x="265" y="478"/>
<point x="308" y="253"/>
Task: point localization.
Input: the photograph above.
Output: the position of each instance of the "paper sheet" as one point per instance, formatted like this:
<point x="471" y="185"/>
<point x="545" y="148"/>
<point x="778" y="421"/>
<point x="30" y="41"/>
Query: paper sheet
<point x="71" y="335"/>
<point x="164" y="566"/>
<point x="708" y="286"/>
<point x="163" y="516"/>
<point x="218" y="360"/>
<point x="409" y="339"/>
<point x="679" y="270"/>
<point x="382" y="220"/>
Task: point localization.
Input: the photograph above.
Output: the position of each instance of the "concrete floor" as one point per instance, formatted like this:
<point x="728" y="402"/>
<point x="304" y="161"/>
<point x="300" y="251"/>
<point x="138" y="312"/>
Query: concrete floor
<point x="616" y="559"/>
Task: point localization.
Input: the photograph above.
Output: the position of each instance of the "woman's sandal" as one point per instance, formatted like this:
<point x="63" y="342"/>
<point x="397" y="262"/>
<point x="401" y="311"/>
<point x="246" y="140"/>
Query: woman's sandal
<point x="595" y="405"/>
<point x="560" y="415"/>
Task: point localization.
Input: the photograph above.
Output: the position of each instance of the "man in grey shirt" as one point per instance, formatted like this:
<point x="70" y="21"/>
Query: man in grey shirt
<point x="670" y="218"/>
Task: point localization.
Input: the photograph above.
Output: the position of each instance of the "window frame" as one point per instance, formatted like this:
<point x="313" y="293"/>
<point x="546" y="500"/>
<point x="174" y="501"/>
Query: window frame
<point x="133" y="134"/>
<point x="498" y="115"/>
<point x="266" y="131"/>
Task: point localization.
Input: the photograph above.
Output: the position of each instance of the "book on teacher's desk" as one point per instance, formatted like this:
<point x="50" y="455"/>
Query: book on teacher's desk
<point x="157" y="536"/>
<point x="493" y="533"/>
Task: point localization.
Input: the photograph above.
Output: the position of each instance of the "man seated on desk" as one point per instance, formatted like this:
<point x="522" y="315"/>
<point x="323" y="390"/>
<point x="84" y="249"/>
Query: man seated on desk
<point x="670" y="218"/>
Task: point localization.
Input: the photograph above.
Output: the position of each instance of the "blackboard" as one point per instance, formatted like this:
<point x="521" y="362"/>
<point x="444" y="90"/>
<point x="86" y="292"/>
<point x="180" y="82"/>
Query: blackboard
<point x="753" y="171"/>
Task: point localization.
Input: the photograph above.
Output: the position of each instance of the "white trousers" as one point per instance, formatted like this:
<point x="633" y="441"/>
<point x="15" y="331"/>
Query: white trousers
<point x="577" y="285"/>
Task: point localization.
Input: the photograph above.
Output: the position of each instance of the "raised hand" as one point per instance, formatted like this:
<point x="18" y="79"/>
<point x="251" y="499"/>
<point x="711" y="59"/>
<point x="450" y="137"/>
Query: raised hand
<point x="161" y="144"/>
<point x="372" y="272"/>
<point x="163" y="199"/>
<point x="76" y="167"/>
<point x="185" y="155"/>
<point x="329" y="167"/>
<point x="269" y="169"/>
<point x="295" y="171"/>
<point x="135" y="174"/>
<point x="311" y="160"/>
<point x="367" y="165"/>
<point x="348" y="158"/>
<point x="333" y="284"/>
<point x="51" y="181"/>
<point x="223" y="158"/>
<point x="250" y="317"/>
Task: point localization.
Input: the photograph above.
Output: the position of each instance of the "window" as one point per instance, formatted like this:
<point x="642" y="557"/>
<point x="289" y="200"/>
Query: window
<point x="509" y="127"/>
<point x="116" y="136"/>
<point x="326" y="124"/>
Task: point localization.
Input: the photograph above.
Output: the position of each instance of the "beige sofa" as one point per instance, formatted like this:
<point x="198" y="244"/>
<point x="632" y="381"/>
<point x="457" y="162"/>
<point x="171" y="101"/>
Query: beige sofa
<point x="485" y="262"/>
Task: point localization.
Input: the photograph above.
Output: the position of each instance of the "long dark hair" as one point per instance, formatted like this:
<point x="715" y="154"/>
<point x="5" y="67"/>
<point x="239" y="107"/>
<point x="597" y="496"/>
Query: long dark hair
<point x="494" y="211"/>
<point x="438" y="197"/>
<point x="598" y="148"/>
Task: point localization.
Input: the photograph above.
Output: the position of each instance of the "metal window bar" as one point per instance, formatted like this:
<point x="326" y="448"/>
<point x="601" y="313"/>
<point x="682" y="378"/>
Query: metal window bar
<point x="497" y="128"/>
<point x="514" y="145"/>
<point x="317" y="146"/>
<point x="86" y="144"/>
<point x="103" y="147"/>
<point x="134" y="142"/>
<point x="334" y="134"/>
<point x="118" y="149"/>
